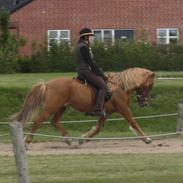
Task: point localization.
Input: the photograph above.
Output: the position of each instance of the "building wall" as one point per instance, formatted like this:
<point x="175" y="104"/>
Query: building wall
<point x="37" y="17"/>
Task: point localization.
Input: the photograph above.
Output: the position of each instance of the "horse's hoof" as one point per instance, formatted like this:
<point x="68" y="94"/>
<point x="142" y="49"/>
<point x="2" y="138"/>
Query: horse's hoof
<point x="147" y="140"/>
<point x="68" y="141"/>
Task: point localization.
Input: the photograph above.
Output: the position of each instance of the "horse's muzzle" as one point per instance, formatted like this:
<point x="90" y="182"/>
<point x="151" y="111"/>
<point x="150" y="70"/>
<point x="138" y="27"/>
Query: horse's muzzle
<point x="143" y="102"/>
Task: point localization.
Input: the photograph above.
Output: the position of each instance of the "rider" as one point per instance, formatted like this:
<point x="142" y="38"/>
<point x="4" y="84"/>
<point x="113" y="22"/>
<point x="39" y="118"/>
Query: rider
<point x="87" y="67"/>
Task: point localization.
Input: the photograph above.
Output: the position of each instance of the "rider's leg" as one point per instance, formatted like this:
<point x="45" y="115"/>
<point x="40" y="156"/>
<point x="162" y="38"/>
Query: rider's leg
<point x="100" y="84"/>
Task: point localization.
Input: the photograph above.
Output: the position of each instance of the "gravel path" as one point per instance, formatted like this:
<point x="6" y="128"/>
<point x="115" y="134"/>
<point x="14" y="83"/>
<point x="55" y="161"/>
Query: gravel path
<point x="173" y="145"/>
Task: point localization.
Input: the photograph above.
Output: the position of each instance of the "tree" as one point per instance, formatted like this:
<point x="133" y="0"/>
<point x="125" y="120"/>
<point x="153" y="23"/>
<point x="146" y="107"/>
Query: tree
<point x="9" y="45"/>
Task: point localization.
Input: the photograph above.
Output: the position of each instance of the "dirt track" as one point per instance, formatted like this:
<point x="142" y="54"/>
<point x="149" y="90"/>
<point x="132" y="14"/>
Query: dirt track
<point x="174" y="145"/>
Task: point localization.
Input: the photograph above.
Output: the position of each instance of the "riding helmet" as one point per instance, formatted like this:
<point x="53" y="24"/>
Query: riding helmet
<point x="85" y="32"/>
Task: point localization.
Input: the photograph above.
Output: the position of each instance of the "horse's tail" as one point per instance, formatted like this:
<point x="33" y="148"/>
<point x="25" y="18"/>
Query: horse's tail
<point x="32" y="103"/>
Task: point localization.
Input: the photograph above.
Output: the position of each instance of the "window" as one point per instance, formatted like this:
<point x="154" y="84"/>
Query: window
<point x="109" y="36"/>
<point x="124" y="34"/>
<point x="15" y="2"/>
<point x="167" y="36"/>
<point x="105" y="36"/>
<point x="58" y="37"/>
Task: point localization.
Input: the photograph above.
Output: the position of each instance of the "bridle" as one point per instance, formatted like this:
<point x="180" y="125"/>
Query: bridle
<point x="143" y="96"/>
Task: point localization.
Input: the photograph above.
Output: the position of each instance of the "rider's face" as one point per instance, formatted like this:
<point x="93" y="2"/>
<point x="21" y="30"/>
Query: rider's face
<point x="90" y="39"/>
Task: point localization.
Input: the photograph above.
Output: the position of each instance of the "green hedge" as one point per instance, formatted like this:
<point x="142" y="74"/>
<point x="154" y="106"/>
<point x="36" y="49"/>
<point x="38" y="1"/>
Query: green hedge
<point x="58" y="59"/>
<point x="114" y="58"/>
<point x="117" y="57"/>
<point x="139" y="54"/>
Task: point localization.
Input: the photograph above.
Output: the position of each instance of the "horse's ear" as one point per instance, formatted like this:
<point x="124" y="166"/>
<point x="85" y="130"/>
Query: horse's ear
<point x="150" y="78"/>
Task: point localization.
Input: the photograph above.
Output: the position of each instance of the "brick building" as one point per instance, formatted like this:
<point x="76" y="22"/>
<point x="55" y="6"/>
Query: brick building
<point x="61" y="20"/>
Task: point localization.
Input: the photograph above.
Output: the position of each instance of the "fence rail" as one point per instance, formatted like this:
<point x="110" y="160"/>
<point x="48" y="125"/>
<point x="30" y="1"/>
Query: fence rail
<point x="105" y="138"/>
<point x="172" y="78"/>
<point x="110" y="119"/>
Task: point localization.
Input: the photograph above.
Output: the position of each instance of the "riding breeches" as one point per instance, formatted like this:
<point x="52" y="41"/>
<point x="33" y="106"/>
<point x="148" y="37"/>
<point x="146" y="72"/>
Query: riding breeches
<point x="100" y="84"/>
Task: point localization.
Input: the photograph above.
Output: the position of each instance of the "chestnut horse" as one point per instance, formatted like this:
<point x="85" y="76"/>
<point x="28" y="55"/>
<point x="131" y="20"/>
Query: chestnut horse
<point x="58" y="94"/>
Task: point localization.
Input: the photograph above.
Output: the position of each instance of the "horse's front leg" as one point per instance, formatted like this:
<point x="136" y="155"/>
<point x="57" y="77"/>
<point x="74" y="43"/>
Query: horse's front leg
<point x="125" y="111"/>
<point x="94" y="130"/>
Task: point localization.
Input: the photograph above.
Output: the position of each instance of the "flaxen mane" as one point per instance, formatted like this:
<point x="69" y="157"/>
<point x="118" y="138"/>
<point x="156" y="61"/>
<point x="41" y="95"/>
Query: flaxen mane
<point x="130" y="78"/>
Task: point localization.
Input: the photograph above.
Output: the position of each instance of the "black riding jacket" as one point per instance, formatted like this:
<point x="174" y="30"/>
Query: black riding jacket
<point x="84" y="59"/>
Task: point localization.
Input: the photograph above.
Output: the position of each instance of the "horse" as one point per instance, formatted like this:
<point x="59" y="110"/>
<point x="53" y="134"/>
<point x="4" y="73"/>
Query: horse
<point x="55" y="96"/>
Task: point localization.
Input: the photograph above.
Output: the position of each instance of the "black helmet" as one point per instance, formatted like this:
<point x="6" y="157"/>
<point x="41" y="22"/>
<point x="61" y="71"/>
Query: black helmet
<point x="85" y="32"/>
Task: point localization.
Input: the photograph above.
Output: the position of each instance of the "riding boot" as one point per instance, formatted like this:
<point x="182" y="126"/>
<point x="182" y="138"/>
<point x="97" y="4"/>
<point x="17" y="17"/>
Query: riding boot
<point x="98" y="112"/>
<point x="99" y="109"/>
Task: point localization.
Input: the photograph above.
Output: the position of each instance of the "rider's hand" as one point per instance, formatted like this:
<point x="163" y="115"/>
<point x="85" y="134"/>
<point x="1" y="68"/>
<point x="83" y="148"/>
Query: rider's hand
<point x="105" y="78"/>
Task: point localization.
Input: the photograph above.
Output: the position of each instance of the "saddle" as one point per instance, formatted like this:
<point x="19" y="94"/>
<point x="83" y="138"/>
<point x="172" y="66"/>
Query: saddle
<point x="84" y="81"/>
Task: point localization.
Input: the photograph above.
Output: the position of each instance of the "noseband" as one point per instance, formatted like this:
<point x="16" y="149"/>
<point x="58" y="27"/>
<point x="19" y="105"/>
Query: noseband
<point x="143" y="95"/>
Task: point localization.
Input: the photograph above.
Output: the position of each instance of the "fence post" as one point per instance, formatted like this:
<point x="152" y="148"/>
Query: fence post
<point x="180" y="118"/>
<point x="19" y="151"/>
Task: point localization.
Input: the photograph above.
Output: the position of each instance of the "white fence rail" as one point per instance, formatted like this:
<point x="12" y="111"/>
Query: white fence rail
<point x="166" y="78"/>
<point x="110" y="119"/>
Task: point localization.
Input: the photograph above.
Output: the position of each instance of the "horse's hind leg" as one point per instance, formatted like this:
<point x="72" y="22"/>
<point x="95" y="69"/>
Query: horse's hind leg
<point x="36" y="125"/>
<point x="56" y="123"/>
<point x="94" y="130"/>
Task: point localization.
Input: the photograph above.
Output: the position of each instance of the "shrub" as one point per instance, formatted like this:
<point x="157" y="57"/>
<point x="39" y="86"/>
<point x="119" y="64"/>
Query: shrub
<point x="117" y="57"/>
<point x="9" y="45"/>
<point x="58" y="59"/>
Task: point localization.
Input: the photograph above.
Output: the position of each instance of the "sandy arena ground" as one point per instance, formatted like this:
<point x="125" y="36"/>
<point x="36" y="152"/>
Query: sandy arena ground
<point x="171" y="145"/>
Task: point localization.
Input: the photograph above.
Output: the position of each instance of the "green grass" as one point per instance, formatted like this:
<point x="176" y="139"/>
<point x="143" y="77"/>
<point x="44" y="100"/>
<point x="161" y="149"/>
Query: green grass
<point x="111" y="129"/>
<point x="27" y="80"/>
<point x="165" y="97"/>
<point x="124" y="168"/>
<point x="127" y="168"/>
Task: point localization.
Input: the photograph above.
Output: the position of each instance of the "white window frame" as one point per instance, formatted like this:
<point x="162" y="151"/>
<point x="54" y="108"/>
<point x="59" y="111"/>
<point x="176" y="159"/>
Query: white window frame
<point x="58" y="38"/>
<point x="167" y="36"/>
<point x="113" y="33"/>
<point x="102" y="31"/>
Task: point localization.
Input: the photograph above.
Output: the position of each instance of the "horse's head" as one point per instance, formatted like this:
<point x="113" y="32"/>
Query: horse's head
<point x="139" y="79"/>
<point x="143" y="95"/>
<point x="143" y="92"/>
